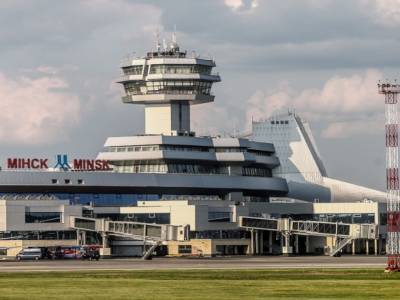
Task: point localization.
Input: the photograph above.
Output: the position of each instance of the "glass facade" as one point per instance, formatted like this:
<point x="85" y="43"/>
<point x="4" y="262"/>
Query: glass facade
<point x="185" y="249"/>
<point x="219" y="216"/>
<point x="42" y="217"/>
<point x="164" y="167"/>
<point x="168" y="87"/>
<point x="111" y="199"/>
<point x="133" y="70"/>
<point x="178" y="87"/>
<point x="341" y="218"/>
<point x="133" y="88"/>
<point x="159" y="166"/>
<point x="85" y="224"/>
<point x="39" y="235"/>
<point x="260" y="172"/>
<point x="220" y="234"/>
<point x="132" y="148"/>
<point x="157" y="218"/>
<point x="180" y="69"/>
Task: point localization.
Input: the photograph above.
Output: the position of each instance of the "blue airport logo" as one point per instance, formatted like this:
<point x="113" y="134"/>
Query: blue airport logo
<point x="62" y="162"/>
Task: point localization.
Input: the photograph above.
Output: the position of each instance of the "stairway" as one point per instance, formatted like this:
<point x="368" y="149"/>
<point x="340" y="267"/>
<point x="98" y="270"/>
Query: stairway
<point x="147" y="255"/>
<point x="339" y="246"/>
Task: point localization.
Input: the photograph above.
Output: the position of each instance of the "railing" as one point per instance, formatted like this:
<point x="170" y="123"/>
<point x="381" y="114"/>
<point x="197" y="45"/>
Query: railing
<point x="136" y="230"/>
<point x="339" y="246"/>
<point x="84" y="223"/>
<point x="259" y="223"/>
<point x="340" y="230"/>
<point x="323" y="228"/>
<point x="167" y="92"/>
<point x="141" y="230"/>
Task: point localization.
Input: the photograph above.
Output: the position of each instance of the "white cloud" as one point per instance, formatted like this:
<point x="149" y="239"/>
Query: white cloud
<point x="212" y="119"/>
<point x="241" y="5"/>
<point x="35" y="111"/>
<point x="344" y="129"/>
<point x="47" y="70"/>
<point x="233" y="4"/>
<point x="386" y="12"/>
<point x="351" y="104"/>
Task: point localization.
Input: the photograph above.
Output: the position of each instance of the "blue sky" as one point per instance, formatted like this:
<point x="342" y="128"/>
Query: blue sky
<point x="321" y="57"/>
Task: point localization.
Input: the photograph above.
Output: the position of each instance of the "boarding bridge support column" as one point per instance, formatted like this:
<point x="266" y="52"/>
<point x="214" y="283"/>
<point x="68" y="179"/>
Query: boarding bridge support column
<point x="252" y="242"/>
<point x="367" y="246"/>
<point x="105" y="250"/>
<point x="307" y="244"/>
<point x="80" y="237"/>
<point x="257" y="240"/>
<point x="286" y="249"/>
<point x="270" y="242"/>
<point x="376" y="246"/>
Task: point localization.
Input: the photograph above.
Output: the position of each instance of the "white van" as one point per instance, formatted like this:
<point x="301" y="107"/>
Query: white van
<point x="29" y="253"/>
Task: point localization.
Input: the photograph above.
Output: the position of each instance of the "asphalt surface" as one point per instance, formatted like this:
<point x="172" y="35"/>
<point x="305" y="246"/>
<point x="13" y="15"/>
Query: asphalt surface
<point x="243" y="262"/>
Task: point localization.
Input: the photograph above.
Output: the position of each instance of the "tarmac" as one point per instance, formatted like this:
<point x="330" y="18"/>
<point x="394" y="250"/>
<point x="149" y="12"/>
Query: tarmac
<point x="165" y="263"/>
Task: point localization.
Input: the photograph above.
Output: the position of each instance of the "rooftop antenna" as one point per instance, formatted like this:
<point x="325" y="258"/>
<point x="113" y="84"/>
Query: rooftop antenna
<point x="174" y="44"/>
<point x="164" y="45"/>
<point x="158" y="46"/>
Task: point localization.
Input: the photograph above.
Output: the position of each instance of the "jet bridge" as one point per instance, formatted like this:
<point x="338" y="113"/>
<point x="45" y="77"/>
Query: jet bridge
<point x="343" y="232"/>
<point x="154" y="234"/>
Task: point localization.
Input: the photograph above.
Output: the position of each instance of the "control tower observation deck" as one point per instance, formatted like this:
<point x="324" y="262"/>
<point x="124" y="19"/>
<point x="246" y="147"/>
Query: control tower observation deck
<point x="168" y="82"/>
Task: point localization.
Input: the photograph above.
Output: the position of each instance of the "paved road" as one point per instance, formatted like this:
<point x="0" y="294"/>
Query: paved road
<point x="268" y="262"/>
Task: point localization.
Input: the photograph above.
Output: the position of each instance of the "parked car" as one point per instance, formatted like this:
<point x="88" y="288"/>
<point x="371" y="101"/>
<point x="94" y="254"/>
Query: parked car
<point x="29" y="254"/>
<point x="71" y="252"/>
<point x="90" y="253"/>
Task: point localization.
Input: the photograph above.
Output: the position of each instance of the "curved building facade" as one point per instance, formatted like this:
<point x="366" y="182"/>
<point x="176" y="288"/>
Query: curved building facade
<point x="169" y="161"/>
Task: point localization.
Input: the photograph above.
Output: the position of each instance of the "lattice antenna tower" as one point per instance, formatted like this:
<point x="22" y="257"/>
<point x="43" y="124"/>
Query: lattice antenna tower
<point x="391" y="91"/>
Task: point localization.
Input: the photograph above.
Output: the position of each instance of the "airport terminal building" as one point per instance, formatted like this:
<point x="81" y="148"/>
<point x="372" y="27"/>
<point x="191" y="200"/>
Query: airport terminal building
<point x="173" y="193"/>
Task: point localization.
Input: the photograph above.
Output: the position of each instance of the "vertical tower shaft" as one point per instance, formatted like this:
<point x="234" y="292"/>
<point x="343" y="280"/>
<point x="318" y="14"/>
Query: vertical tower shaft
<point x="390" y="92"/>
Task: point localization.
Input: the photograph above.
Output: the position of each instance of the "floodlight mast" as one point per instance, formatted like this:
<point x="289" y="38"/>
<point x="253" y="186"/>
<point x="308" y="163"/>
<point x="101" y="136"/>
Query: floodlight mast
<point x="391" y="92"/>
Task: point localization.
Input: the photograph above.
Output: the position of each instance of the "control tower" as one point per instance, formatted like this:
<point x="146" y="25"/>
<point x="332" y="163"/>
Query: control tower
<point x="168" y="82"/>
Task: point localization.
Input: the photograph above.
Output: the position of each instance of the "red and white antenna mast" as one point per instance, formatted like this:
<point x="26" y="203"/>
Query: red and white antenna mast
<point x="391" y="92"/>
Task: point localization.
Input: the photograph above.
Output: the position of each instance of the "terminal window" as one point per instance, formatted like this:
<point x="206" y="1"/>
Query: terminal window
<point x="185" y="249"/>
<point x="42" y="217"/>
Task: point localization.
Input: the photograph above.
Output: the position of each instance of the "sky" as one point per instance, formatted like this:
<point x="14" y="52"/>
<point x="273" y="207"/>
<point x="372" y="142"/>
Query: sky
<point x="322" y="58"/>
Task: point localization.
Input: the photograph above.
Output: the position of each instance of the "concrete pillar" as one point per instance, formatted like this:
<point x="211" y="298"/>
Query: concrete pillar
<point x="353" y="247"/>
<point x="367" y="246"/>
<point x="104" y="239"/>
<point x="270" y="242"/>
<point x="375" y="246"/>
<point x="262" y="242"/>
<point x="296" y="241"/>
<point x="252" y="242"/>
<point x="105" y="251"/>
<point x="257" y="238"/>
<point x="307" y="244"/>
<point x="83" y="241"/>
<point x="287" y="249"/>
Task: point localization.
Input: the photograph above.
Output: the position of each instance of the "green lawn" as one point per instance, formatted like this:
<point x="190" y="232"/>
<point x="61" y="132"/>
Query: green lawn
<point x="202" y="284"/>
